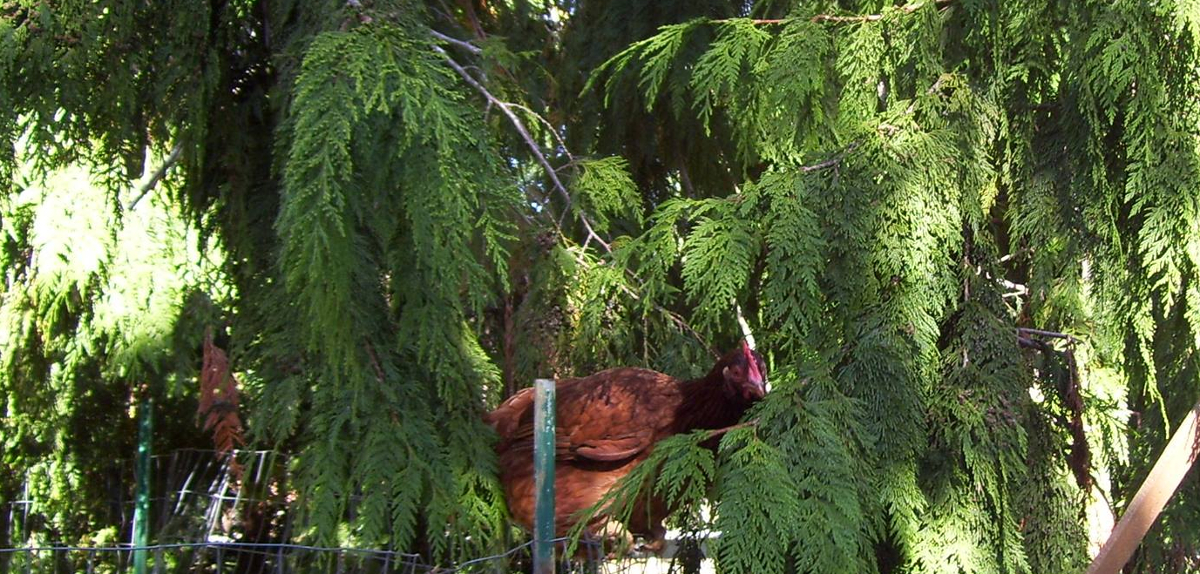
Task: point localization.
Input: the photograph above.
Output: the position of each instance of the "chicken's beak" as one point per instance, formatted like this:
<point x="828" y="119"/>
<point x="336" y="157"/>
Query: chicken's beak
<point x="754" y="376"/>
<point x="758" y="388"/>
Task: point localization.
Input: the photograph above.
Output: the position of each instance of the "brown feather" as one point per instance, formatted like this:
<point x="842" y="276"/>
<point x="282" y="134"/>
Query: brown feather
<point x="606" y="424"/>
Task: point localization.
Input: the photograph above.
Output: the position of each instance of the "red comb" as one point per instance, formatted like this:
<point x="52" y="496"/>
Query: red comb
<point x="752" y="371"/>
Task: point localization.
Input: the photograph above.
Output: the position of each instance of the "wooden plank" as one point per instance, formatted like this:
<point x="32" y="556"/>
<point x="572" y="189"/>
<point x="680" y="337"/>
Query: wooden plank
<point x="1158" y="487"/>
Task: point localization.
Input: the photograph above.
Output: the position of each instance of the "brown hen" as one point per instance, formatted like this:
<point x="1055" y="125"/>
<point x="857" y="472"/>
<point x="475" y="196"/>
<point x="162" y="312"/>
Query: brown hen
<point x="607" y="423"/>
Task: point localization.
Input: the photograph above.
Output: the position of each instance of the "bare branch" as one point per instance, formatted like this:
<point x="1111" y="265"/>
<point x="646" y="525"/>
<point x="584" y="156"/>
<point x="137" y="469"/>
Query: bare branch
<point x="907" y="9"/>
<point x="833" y="18"/>
<point x="741" y="319"/>
<point x="472" y="48"/>
<point x="550" y="127"/>
<point x="1014" y="288"/>
<point x="835" y="160"/>
<point x="1032" y="343"/>
<point x="679" y="322"/>
<point x="1052" y="334"/>
<point x="375" y="361"/>
<point x="718" y="432"/>
<point x="533" y="146"/>
<point x="1013" y="255"/>
<point x="158" y="175"/>
<point x="912" y="106"/>
<point x="529" y="141"/>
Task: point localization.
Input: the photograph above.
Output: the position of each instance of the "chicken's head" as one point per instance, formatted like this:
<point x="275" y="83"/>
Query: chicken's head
<point x="745" y="373"/>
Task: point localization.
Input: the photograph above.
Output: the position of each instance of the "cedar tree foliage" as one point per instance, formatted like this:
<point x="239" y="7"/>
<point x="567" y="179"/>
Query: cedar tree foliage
<point x="965" y="234"/>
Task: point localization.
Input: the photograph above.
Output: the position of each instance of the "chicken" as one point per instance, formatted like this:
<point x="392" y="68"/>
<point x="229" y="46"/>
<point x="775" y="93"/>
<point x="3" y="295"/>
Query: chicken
<point x="609" y="422"/>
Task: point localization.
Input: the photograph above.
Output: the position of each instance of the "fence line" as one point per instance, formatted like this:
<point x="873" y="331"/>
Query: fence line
<point x="203" y="521"/>
<point x="263" y="558"/>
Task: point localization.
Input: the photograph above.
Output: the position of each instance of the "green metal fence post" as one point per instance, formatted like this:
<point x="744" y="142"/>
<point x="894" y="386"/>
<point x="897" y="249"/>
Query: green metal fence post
<point x="141" y="512"/>
<point x="543" y="473"/>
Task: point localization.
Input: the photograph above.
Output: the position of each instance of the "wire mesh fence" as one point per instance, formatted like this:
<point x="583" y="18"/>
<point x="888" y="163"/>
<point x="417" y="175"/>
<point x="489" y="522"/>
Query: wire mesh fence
<point x="205" y="520"/>
<point x="266" y="558"/>
<point x="194" y="498"/>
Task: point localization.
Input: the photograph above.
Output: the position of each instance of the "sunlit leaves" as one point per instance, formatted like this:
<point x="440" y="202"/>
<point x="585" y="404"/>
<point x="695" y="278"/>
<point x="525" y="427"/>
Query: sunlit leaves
<point x="386" y="177"/>
<point x="607" y="191"/>
<point x="795" y="247"/>
<point x="885" y="195"/>
<point x="760" y="510"/>
<point x="657" y="54"/>
<point x="717" y="256"/>
<point x="720" y="68"/>
<point x="93" y="306"/>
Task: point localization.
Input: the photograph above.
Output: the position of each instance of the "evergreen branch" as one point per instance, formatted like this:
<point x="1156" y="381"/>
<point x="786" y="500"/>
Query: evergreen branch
<point x="562" y="190"/>
<point x="907" y="9"/>
<point x="1021" y="331"/>
<point x="472" y="48"/>
<point x="831" y="162"/>
<point x="718" y="432"/>
<point x="158" y="175"/>
<point x="529" y="141"/>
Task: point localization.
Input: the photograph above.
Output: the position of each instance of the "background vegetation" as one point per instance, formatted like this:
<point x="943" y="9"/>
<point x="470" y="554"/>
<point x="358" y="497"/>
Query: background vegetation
<point x="392" y="213"/>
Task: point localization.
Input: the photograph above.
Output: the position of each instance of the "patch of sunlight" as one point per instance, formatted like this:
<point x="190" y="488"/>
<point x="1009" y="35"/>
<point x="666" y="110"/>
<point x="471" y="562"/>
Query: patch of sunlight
<point x="69" y="235"/>
<point x="133" y="270"/>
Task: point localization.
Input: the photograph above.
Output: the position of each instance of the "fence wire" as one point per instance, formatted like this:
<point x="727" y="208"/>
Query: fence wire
<point x="266" y="558"/>
<point x="203" y="520"/>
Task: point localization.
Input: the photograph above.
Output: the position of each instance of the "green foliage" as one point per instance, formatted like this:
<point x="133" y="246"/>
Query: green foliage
<point x="717" y="256"/>
<point x="718" y="70"/>
<point x="607" y="191"/>
<point x="93" y="305"/>
<point x="678" y="472"/>
<point x="395" y="230"/>
<point x="656" y="55"/>
<point x="795" y="254"/>
<point x="760" y="507"/>
<point x="385" y="85"/>
<point x="827" y="452"/>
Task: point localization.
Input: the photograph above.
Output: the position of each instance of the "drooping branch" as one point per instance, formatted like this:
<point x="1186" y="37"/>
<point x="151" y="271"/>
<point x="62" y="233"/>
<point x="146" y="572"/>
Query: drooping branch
<point x="1080" y="459"/>
<point x="472" y="48"/>
<point x="505" y="107"/>
<point x="529" y="142"/>
<point x="836" y="18"/>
